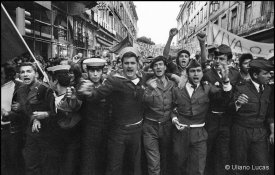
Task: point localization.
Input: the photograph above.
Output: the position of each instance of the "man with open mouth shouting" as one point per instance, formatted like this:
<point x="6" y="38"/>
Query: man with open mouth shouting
<point x="126" y="91"/>
<point x="189" y="113"/>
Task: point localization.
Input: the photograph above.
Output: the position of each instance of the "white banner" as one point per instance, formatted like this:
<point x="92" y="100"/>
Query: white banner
<point x="218" y="36"/>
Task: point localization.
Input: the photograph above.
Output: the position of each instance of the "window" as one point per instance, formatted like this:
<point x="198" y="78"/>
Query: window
<point x="247" y="11"/>
<point x="224" y="22"/>
<point x="234" y="18"/>
<point x="216" y="22"/>
<point x="266" y="7"/>
<point x="201" y="15"/>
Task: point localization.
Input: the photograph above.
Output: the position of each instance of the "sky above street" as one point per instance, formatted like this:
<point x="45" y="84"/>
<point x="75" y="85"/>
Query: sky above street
<point x="156" y="18"/>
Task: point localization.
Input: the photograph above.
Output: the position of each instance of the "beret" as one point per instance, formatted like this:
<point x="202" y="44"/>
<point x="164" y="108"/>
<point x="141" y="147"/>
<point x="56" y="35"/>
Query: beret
<point x="222" y="49"/>
<point x="261" y="64"/>
<point x="193" y="63"/>
<point x="158" y="58"/>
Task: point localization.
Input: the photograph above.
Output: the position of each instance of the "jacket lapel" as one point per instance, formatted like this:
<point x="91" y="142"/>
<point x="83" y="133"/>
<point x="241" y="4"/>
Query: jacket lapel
<point x="253" y="88"/>
<point x="217" y="77"/>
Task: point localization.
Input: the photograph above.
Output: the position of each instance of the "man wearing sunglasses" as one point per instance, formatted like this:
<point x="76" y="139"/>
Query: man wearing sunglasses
<point x="218" y="119"/>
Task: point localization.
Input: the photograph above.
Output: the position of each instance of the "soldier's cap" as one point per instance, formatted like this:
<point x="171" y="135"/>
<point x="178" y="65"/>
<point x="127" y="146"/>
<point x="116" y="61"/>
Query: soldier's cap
<point x="193" y="63"/>
<point x="157" y="59"/>
<point x="95" y="62"/>
<point x="222" y="49"/>
<point x="261" y="64"/>
<point x="58" y="68"/>
<point x="129" y="49"/>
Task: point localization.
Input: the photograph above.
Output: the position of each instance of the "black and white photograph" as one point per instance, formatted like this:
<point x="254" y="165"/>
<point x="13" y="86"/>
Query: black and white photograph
<point x="137" y="87"/>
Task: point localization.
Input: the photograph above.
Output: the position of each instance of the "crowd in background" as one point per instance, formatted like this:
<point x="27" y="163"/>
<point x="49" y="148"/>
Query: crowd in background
<point x="98" y="116"/>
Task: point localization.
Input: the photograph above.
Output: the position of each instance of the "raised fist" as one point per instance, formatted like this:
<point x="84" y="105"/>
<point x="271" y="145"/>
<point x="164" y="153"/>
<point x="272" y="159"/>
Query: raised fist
<point x="201" y="36"/>
<point x="173" y="32"/>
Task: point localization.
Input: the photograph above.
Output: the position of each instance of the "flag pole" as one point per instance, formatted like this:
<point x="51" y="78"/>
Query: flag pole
<point x="14" y="26"/>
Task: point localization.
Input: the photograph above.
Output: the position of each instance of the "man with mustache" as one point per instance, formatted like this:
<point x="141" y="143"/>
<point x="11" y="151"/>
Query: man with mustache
<point x="126" y="90"/>
<point x="218" y="120"/>
<point x="191" y="104"/>
<point x="157" y="122"/>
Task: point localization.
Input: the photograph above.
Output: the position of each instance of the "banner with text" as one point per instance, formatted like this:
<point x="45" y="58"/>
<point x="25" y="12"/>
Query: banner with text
<point x="218" y="36"/>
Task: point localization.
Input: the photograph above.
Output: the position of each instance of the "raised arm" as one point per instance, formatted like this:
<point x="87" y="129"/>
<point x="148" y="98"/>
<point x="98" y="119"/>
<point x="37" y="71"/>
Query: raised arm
<point x="172" y="33"/>
<point x="201" y="37"/>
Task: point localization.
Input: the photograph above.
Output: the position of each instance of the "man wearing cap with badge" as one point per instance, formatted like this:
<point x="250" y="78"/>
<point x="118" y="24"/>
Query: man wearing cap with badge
<point x="189" y="113"/>
<point x="248" y="134"/>
<point x="126" y="90"/>
<point x="66" y="119"/>
<point x="218" y="117"/>
<point x="157" y="122"/>
<point x="95" y="123"/>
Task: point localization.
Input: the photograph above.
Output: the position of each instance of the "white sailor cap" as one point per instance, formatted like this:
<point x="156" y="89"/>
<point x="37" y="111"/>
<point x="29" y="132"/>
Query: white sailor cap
<point x="58" y="67"/>
<point x="129" y="49"/>
<point x="94" y="62"/>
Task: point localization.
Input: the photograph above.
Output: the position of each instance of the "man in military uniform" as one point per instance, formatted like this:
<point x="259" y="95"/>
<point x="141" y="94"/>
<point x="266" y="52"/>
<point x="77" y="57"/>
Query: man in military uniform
<point x="95" y="124"/>
<point x="218" y="121"/>
<point x="248" y="134"/>
<point x="157" y="122"/>
<point x="126" y="89"/>
<point x="190" y="108"/>
<point x="41" y="151"/>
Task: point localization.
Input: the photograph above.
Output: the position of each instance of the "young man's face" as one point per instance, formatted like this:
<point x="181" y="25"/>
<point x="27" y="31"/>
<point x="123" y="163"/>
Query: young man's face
<point x="28" y="74"/>
<point x="130" y="67"/>
<point x="184" y="59"/>
<point x="159" y="69"/>
<point x="195" y="75"/>
<point x="219" y="60"/>
<point x="245" y="65"/>
<point x="263" y="77"/>
<point x="95" y="74"/>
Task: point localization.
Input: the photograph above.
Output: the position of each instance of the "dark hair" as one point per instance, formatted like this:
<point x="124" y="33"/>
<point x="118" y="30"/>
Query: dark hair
<point x="62" y="76"/>
<point x="29" y="64"/>
<point x="76" y="70"/>
<point x="10" y="71"/>
<point x="253" y="70"/>
<point x="129" y="54"/>
<point x="244" y="57"/>
<point x="179" y="53"/>
<point x="157" y="59"/>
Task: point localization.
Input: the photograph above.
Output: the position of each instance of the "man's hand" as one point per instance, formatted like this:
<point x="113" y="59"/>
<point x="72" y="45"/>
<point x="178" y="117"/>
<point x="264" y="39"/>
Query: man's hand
<point x="152" y="84"/>
<point x="15" y="106"/>
<point x="242" y="99"/>
<point x="40" y="115"/>
<point x="86" y="88"/>
<point x="179" y="126"/>
<point x="201" y="37"/>
<point x="173" y="32"/>
<point x="224" y="71"/>
<point x="71" y="93"/>
<point x="36" y="125"/>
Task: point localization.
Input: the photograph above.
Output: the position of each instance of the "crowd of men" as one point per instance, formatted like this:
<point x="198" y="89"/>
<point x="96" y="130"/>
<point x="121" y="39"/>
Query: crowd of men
<point x="167" y="117"/>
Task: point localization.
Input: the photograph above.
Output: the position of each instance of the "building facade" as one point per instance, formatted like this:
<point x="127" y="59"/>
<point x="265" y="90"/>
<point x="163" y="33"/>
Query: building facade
<point x="253" y="20"/>
<point x="63" y="28"/>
